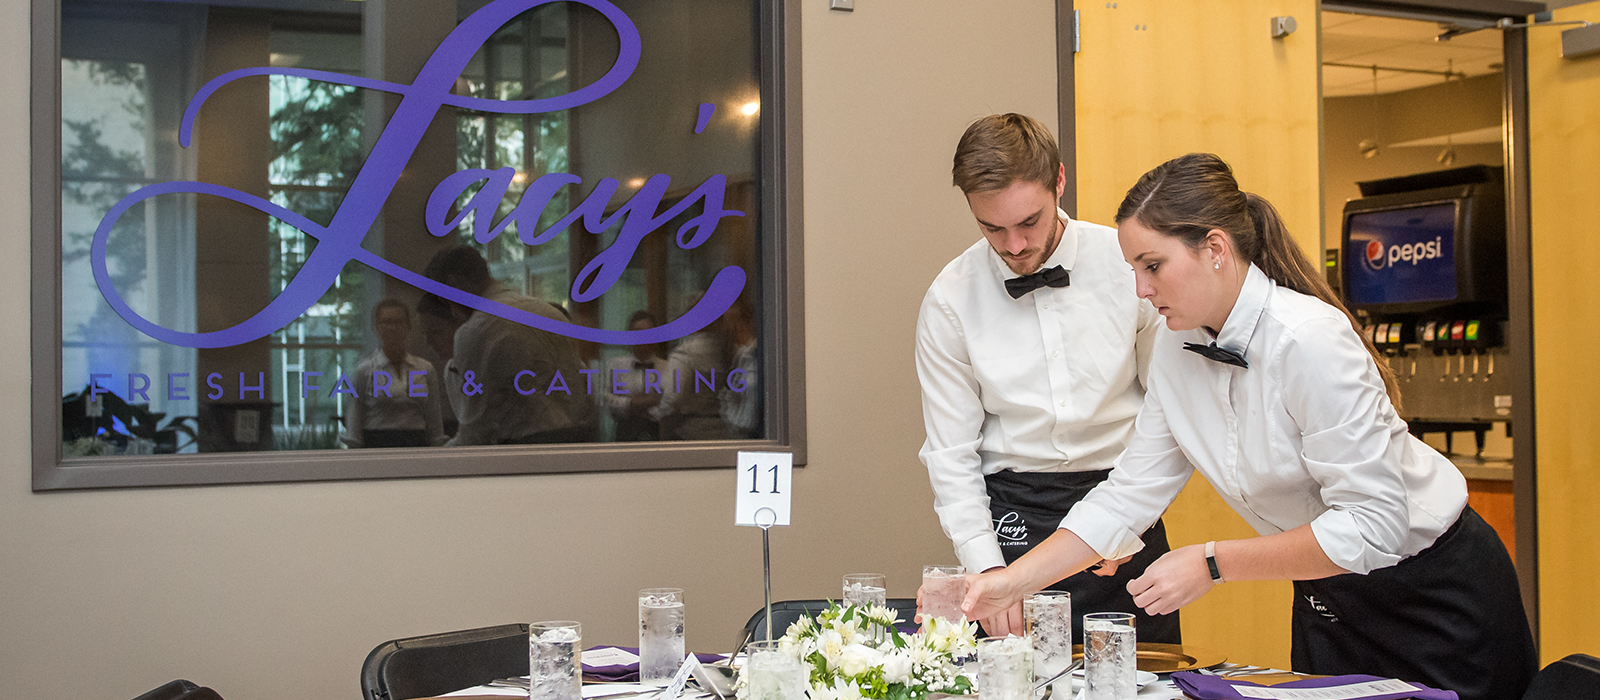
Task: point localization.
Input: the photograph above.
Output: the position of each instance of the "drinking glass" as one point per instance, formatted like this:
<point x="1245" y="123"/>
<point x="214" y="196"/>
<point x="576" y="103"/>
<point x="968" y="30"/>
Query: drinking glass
<point x="1110" y="656"/>
<point x="943" y="588"/>
<point x="1005" y="668"/>
<point x="1047" y="618"/>
<point x="865" y="589"/>
<point x="660" y="634"/>
<point x="554" y="652"/>
<point x="772" y="674"/>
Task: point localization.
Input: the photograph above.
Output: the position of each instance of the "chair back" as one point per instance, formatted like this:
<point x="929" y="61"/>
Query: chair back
<point x="787" y="612"/>
<point x="435" y="664"/>
<point x="180" y="690"/>
<point x="1576" y="677"/>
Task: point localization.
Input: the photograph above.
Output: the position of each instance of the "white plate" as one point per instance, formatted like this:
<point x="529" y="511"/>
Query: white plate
<point x="1140" y="678"/>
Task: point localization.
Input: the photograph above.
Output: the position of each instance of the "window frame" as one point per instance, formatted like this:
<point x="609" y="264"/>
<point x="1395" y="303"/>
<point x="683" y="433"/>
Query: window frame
<point x="782" y="310"/>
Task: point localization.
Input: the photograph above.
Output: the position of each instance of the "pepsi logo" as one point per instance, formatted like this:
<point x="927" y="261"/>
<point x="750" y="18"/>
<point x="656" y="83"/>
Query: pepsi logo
<point x="1375" y="255"/>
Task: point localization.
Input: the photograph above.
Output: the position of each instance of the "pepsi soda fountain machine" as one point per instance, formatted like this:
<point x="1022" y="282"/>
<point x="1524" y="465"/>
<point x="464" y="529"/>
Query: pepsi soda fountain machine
<point x="1423" y="265"/>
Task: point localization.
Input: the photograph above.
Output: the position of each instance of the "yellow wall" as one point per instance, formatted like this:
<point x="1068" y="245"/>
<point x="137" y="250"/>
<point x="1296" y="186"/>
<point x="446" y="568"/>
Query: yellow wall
<point x="1564" y="147"/>
<point x="1156" y="81"/>
<point x="277" y="592"/>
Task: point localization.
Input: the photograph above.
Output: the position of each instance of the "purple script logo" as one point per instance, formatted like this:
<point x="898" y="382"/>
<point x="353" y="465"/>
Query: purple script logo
<point x="340" y="241"/>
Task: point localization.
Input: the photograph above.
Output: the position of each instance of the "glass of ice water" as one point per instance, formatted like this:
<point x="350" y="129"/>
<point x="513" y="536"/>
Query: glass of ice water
<point x="554" y="653"/>
<point x="865" y="589"/>
<point x="1110" y="656"/>
<point x="772" y="674"/>
<point x="660" y="634"/>
<point x="1047" y="617"/>
<point x="943" y="588"/>
<point x="1005" y="668"/>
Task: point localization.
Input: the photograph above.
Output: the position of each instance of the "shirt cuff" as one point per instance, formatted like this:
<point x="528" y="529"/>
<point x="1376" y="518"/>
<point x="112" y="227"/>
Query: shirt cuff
<point x="1340" y="538"/>
<point x="981" y="553"/>
<point x="1102" y="532"/>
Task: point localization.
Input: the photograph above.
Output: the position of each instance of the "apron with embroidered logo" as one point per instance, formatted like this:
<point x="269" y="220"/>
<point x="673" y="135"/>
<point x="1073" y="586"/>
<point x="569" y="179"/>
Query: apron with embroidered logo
<point x="1028" y="506"/>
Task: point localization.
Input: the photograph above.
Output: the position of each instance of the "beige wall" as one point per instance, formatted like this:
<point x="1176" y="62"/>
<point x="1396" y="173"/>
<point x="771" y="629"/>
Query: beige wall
<point x="279" y="591"/>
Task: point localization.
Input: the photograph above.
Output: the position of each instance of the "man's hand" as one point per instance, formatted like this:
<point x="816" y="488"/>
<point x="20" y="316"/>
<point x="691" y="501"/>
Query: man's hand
<point x="1177" y="579"/>
<point x="1108" y="567"/>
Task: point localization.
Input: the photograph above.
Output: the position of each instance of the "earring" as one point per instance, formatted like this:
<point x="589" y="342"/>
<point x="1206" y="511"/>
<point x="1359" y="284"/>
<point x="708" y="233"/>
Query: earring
<point x="1217" y="265"/>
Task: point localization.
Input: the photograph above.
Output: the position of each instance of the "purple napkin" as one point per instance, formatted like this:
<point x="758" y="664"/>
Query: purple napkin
<point x="627" y="673"/>
<point x="1207" y="687"/>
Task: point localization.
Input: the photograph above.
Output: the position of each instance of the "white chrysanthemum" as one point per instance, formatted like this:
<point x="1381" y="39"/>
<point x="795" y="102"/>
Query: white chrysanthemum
<point x="897" y="667"/>
<point x="846" y="691"/>
<point x="857" y="659"/>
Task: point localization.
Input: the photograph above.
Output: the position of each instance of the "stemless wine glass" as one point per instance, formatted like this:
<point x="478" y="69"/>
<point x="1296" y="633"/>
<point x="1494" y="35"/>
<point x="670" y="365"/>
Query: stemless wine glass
<point x="1110" y="656"/>
<point x="554" y="654"/>
<point x="943" y="588"/>
<point x="660" y="634"/>
<point x="865" y="589"/>
<point x="1047" y="618"/>
<point x="770" y="673"/>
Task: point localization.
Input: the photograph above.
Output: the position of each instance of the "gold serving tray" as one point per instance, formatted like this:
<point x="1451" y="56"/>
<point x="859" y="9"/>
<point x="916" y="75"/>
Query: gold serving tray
<point x="1166" y="658"/>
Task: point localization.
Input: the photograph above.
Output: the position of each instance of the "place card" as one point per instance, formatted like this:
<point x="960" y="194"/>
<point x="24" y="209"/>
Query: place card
<point x="680" y="679"/>
<point x="609" y="656"/>
<point x="1354" y="691"/>
<point x="762" y="484"/>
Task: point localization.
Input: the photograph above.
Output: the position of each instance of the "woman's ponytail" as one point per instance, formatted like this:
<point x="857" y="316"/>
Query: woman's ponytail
<point x="1189" y="196"/>
<point x="1281" y="259"/>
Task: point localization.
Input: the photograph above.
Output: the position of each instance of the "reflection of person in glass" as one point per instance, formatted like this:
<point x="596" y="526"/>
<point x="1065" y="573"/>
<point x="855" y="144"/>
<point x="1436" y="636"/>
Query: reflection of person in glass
<point x="741" y="410"/>
<point x="697" y="368"/>
<point x="1278" y="400"/>
<point x="524" y="386"/>
<point x="439" y="326"/>
<point x="631" y="410"/>
<point x="397" y="402"/>
<point x="1031" y="351"/>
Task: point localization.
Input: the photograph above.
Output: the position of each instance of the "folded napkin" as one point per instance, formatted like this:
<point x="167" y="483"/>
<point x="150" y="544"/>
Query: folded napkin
<point x="629" y="672"/>
<point x="1207" y="687"/>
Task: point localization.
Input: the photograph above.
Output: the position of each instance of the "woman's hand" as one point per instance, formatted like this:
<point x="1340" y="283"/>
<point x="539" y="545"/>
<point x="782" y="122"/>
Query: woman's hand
<point x="1177" y="579"/>
<point x="995" y="597"/>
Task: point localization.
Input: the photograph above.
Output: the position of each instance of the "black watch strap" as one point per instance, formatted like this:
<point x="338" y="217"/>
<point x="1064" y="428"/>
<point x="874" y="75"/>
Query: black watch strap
<point x="1211" y="562"/>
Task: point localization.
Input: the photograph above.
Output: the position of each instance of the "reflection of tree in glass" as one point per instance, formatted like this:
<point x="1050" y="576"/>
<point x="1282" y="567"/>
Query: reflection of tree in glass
<point x="316" y="153"/>
<point x="95" y="175"/>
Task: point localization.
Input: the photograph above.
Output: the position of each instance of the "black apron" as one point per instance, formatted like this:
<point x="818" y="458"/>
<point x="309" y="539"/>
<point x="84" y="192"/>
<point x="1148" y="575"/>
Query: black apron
<point x="1450" y="617"/>
<point x="1028" y="506"/>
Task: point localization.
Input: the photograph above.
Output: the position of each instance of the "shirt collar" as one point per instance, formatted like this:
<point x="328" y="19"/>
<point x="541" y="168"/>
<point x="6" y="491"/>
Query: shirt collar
<point x="1247" y="309"/>
<point x="1065" y="255"/>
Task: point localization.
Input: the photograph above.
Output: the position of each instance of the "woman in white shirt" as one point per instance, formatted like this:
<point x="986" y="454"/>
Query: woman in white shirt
<point x="1262" y="382"/>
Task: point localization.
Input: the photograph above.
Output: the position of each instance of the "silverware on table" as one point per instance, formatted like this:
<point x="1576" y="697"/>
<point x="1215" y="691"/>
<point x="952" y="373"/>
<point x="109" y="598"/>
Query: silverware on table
<point x="1069" y="669"/>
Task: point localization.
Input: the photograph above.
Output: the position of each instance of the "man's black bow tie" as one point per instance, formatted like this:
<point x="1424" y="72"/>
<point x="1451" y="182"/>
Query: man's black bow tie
<point x="1223" y="355"/>
<point x="1053" y="277"/>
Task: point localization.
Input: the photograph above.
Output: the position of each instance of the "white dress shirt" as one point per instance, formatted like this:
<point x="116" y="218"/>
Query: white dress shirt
<point x="1048" y="382"/>
<point x="1306" y="434"/>
<point x="395" y="409"/>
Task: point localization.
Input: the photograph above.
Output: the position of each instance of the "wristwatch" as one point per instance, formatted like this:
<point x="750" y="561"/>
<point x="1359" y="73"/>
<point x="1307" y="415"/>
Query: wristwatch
<point x="1211" y="561"/>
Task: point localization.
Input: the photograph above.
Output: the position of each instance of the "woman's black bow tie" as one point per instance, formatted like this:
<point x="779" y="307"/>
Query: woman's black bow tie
<point x="1223" y="355"/>
<point x="1053" y="277"/>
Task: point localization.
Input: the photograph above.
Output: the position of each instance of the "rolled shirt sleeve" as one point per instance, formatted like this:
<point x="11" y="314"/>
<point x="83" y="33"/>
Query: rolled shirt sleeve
<point x="1352" y="442"/>
<point x="1147" y="477"/>
<point x="953" y="414"/>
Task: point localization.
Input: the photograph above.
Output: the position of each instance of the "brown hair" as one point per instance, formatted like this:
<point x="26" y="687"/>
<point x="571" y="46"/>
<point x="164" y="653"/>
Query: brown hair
<point x="1188" y="197"/>
<point x="1002" y="149"/>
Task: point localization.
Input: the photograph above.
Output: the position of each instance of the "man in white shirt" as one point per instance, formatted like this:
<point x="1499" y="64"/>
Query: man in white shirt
<point x="1031" y="351"/>
<point x="398" y="394"/>
<point x="493" y="358"/>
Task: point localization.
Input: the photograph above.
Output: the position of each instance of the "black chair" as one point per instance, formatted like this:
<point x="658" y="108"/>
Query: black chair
<point x="787" y="612"/>
<point x="435" y="664"/>
<point x="1576" y="677"/>
<point x="180" y="690"/>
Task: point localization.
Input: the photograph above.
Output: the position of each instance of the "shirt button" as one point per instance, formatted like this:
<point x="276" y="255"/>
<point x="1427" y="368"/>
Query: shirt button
<point x="1057" y="353"/>
<point x="1063" y="403"/>
<point x="1045" y="306"/>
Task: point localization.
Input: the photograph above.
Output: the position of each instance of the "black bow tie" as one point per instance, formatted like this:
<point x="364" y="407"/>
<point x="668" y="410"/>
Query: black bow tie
<point x="1223" y="355"/>
<point x="1053" y="277"/>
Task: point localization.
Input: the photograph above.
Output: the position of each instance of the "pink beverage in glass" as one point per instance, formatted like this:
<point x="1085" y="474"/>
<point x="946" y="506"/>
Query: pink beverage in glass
<point x="943" y="588"/>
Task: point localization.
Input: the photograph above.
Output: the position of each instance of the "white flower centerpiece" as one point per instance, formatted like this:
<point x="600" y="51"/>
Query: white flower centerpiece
<point x="854" y="652"/>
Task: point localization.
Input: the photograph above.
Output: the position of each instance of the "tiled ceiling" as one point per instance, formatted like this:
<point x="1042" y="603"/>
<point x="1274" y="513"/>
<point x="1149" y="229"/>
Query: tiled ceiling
<point x="1398" y="43"/>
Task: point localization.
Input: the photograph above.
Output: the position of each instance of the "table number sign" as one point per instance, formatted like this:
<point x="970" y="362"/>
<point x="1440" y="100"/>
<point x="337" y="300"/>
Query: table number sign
<point x="762" y="484"/>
